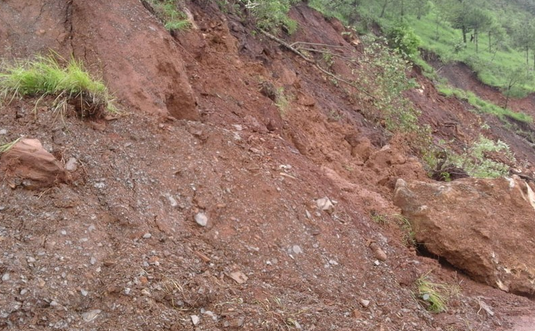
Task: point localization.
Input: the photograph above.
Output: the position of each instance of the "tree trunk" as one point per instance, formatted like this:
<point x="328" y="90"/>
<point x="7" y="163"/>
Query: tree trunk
<point x="490" y="41"/>
<point x="476" y="40"/>
<point x="464" y="34"/>
<point x="385" y="3"/>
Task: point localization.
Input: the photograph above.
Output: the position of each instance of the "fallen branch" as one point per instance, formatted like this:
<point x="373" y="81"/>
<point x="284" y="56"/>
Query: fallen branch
<point x="313" y="62"/>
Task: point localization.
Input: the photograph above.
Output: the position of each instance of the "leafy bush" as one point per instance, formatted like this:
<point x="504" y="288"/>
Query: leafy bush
<point x="272" y="14"/>
<point x="475" y="160"/>
<point x="403" y="39"/>
<point x="44" y="76"/>
<point x="384" y="73"/>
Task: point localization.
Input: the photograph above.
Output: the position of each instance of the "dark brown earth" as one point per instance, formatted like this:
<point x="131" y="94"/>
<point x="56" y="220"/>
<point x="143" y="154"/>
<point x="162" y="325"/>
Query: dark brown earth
<point x="117" y="247"/>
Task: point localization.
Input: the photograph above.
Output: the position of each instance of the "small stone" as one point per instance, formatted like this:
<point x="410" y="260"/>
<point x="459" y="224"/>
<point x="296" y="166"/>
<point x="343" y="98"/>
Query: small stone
<point x="172" y="201"/>
<point x="238" y="276"/>
<point x="377" y="263"/>
<point x="84" y="292"/>
<point x="91" y="315"/>
<point x="93" y="260"/>
<point x="357" y="314"/>
<point x="211" y="314"/>
<point x="5" y="277"/>
<point x="378" y="252"/>
<point x="325" y="204"/>
<point x="147" y="235"/>
<point x="195" y="320"/>
<point x="297" y="250"/>
<point x="23" y="291"/>
<point x="72" y="164"/>
<point x="365" y="303"/>
<point x="30" y="259"/>
<point x="3" y="132"/>
<point x="201" y="219"/>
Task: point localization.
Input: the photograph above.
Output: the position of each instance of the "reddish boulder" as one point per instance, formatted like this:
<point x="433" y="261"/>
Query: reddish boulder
<point x="482" y="226"/>
<point x="28" y="161"/>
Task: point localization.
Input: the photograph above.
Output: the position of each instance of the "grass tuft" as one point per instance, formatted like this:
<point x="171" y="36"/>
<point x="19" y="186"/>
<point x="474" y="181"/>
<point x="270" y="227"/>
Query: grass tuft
<point x="6" y="147"/>
<point x="44" y="76"/>
<point x="172" y="18"/>
<point x="434" y="295"/>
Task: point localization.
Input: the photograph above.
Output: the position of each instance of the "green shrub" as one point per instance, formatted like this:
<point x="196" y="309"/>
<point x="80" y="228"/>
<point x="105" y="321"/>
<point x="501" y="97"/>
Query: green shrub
<point x="272" y="14"/>
<point x="403" y="39"/>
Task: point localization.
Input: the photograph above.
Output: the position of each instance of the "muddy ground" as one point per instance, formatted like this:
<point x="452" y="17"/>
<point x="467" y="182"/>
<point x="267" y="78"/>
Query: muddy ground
<point x="119" y="246"/>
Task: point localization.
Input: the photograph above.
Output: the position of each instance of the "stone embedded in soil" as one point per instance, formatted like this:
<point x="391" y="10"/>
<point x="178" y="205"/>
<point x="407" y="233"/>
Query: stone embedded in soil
<point x="29" y="161"/>
<point x="297" y="249"/>
<point x="238" y="276"/>
<point x="195" y="320"/>
<point x="71" y="165"/>
<point x="378" y="252"/>
<point x="365" y="303"/>
<point x="201" y="219"/>
<point x="482" y="226"/>
<point x="325" y="204"/>
<point x="91" y="315"/>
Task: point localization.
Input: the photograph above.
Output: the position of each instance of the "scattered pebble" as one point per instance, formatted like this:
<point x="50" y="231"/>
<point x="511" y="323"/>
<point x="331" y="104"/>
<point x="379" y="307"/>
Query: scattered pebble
<point x="238" y="276"/>
<point x="365" y="303"/>
<point x="3" y="132"/>
<point x="172" y="201"/>
<point x="378" y="252"/>
<point x="325" y="204"/>
<point x="91" y="315"/>
<point x="195" y="320"/>
<point x="5" y="277"/>
<point x="93" y="260"/>
<point x="201" y="219"/>
<point x="84" y="292"/>
<point x="147" y="235"/>
<point x="297" y="249"/>
<point x="72" y="164"/>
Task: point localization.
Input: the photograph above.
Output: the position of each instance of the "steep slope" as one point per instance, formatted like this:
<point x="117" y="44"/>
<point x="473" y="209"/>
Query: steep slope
<point x="119" y="247"/>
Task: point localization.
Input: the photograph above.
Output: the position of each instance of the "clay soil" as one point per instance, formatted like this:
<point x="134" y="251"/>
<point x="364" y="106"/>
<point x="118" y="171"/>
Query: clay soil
<point x="118" y="248"/>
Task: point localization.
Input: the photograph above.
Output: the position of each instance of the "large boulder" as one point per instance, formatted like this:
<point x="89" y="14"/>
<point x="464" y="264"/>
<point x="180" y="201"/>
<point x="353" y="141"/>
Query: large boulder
<point x="30" y="164"/>
<point x="485" y="227"/>
<point x="120" y="40"/>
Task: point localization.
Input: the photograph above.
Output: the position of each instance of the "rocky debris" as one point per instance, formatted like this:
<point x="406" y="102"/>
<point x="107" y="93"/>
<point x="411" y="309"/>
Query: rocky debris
<point x="27" y="161"/>
<point x="464" y="222"/>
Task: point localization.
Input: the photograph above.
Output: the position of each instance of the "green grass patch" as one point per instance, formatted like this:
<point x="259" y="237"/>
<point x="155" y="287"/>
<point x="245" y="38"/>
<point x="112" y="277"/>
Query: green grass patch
<point x="434" y="295"/>
<point x="167" y="11"/>
<point x="44" y="76"/>
<point x="483" y="106"/>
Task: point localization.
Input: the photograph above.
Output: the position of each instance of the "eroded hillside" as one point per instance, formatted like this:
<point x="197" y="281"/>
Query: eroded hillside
<point x="211" y="204"/>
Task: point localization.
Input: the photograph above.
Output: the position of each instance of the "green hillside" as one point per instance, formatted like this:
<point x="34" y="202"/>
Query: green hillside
<point x="495" y="38"/>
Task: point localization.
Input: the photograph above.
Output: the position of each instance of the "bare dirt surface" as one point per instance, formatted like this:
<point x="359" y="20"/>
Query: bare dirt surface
<point x="254" y="217"/>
